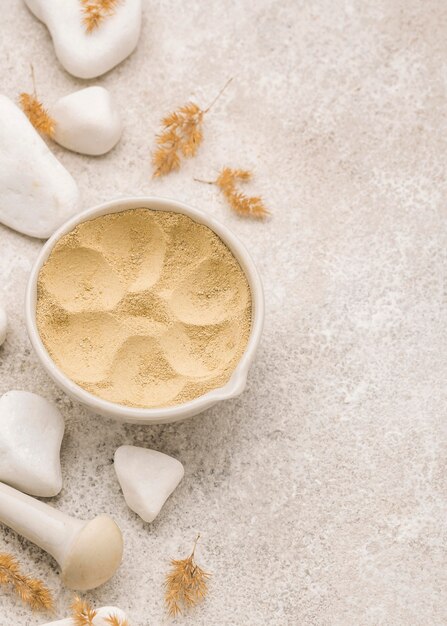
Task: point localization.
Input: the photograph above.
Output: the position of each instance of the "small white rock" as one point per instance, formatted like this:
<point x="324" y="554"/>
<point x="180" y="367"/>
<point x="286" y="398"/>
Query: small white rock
<point x="99" y="620"/>
<point x="37" y="194"/>
<point x="3" y="325"/>
<point x="147" y="478"/>
<point x="87" y="121"/>
<point x="31" y="431"/>
<point x="83" y="54"/>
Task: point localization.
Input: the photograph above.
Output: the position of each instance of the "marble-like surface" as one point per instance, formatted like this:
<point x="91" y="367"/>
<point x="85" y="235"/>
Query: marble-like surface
<point x="320" y="493"/>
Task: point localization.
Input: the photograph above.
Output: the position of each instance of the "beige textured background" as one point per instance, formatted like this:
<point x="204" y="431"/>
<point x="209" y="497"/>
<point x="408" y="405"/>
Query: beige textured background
<point x="321" y="492"/>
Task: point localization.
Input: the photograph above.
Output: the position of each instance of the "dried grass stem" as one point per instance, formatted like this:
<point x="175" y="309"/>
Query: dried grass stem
<point x="181" y="136"/>
<point x="30" y="590"/>
<point x="186" y="584"/>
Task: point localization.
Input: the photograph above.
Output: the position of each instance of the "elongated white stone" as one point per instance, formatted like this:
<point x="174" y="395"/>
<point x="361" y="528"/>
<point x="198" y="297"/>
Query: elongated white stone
<point x="31" y="431"/>
<point x="147" y="478"/>
<point x="37" y="194"/>
<point x="84" y="54"/>
<point x="99" y="620"/>
<point x="3" y="325"/>
<point x="87" y="121"/>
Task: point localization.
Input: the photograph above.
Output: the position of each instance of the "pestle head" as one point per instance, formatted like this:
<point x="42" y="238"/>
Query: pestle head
<point x="95" y="555"/>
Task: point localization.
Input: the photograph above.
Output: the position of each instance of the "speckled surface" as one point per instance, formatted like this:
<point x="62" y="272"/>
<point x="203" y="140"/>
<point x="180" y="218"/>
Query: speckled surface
<point x="320" y="493"/>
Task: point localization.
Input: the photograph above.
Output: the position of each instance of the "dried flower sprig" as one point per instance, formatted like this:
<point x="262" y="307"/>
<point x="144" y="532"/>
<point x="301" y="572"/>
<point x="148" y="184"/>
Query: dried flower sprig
<point x="30" y="590"/>
<point x="186" y="584"/>
<point x="83" y="615"/>
<point x="247" y="206"/>
<point x="36" y="112"/>
<point x="116" y="621"/>
<point x="250" y="206"/>
<point x="95" y="11"/>
<point x="181" y="136"/>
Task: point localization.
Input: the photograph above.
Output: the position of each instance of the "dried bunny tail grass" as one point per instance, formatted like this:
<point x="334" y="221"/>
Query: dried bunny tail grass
<point x="116" y="621"/>
<point x="37" y="114"/>
<point x="95" y="11"/>
<point x="186" y="584"/>
<point x="248" y="206"/>
<point x="31" y="590"/>
<point x="181" y="136"/>
<point x="108" y="5"/>
<point x="92" y="18"/>
<point x="82" y="612"/>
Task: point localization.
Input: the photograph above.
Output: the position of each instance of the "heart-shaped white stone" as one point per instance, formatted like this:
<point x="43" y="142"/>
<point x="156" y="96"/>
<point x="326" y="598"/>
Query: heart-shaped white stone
<point x="31" y="431"/>
<point x="3" y="325"/>
<point x="87" y="121"/>
<point x="84" y="54"/>
<point x="147" y="478"/>
<point x="37" y="194"/>
<point x="99" y="620"/>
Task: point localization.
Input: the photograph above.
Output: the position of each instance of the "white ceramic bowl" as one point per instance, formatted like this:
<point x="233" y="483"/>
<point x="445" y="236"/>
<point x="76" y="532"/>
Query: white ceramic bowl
<point x="233" y="387"/>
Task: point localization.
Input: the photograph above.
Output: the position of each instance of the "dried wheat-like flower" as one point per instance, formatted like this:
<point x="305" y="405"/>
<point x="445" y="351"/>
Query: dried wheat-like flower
<point x="186" y="584"/>
<point x="31" y="590"/>
<point x="82" y="612"/>
<point x="116" y="621"/>
<point x="83" y="615"/>
<point x="248" y="206"/>
<point x="95" y="11"/>
<point x="181" y="136"/>
<point x="37" y="114"/>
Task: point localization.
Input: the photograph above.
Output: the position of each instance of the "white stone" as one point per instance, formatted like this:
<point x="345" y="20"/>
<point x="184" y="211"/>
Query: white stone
<point x="3" y="325"/>
<point x="83" y="54"/>
<point x="31" y="431"/>
<point x="147" y="478"/>
<point x="87" y="121"/>
<point x="99" y="620"/>
<point x="37" y="194"/>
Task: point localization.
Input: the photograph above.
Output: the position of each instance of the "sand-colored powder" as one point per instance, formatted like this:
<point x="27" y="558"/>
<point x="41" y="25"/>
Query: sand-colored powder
<point x="144" y="308"/>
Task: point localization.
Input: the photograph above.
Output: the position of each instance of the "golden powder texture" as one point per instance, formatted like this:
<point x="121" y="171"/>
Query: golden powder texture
<point x="144" y="308"/>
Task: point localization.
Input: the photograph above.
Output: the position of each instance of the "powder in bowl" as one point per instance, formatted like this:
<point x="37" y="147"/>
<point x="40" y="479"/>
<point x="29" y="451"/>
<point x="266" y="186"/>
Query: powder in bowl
<point x="144" y="308"/>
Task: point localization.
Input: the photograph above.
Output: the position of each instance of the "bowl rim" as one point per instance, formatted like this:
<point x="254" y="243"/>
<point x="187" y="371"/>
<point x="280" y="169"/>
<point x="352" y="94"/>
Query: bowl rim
<point x="235" y="384"/>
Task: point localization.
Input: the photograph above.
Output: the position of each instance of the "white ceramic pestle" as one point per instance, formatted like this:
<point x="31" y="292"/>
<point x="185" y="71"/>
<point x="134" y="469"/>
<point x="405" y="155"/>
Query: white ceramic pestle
<point x="88" y="552"/>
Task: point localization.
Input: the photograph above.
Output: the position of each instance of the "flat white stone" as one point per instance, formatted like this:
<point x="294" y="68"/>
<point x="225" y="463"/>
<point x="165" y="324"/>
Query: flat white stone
<point x="31" y="431"/>
<point x="37" y="194"/>
<point x="83" y="54"/>
<point x="99" y="620"/>
<point x="147" y="478"/>
<point x="3" y="325"/>
<point x="87" y="121"/>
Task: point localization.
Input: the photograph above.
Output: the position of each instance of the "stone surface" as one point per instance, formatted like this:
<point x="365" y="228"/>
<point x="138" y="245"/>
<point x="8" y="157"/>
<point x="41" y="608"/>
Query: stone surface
<point x="31" y="431"/>
<point x="89" y="54"/>
<point x="147" y="478"/>
<point x="87" y="121"/>
<point x="3" y="325"/>
<point x="320" y="493"/>
<point x="37" y="194"/>
<point x="100" y="618"/>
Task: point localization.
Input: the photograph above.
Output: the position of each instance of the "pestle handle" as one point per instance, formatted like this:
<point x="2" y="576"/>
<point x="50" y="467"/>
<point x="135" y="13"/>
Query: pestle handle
<point x="89" y="553"/>
<point x="50" y="529"/>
